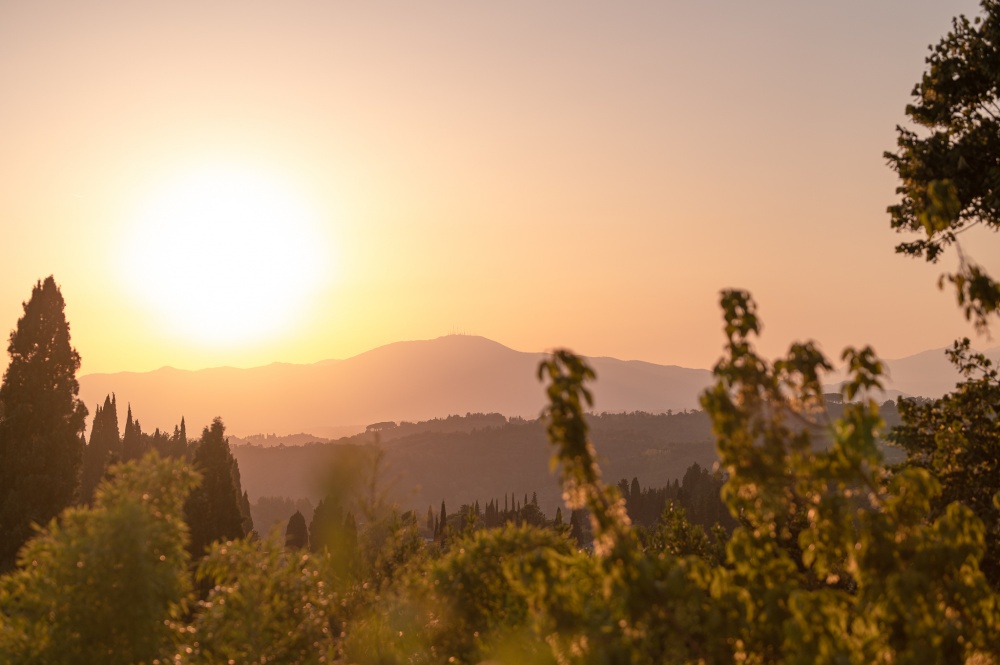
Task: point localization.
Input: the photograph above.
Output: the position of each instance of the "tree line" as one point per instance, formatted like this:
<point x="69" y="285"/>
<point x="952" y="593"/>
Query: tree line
<point x="46" y="463"/>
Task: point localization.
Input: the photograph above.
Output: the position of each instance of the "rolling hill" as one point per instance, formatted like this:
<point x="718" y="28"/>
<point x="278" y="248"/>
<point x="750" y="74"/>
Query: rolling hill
<point x="404" y="381"/>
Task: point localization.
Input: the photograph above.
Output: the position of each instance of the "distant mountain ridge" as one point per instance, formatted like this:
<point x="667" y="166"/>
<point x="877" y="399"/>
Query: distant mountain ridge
<point x="422" y="380"/>
<point x="925" y="374"/>
<point x="403" y="381"/>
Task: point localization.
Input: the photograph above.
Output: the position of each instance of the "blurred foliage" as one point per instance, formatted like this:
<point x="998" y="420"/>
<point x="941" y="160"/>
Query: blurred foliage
<point x="107" y="584"/>
<point x="949" y="163"/>
<point x="956" y="439"/>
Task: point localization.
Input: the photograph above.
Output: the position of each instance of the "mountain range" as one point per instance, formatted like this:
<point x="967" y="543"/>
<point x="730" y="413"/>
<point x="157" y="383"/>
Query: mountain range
<point x="404" y="381"/>
<point x="421" y="380"/>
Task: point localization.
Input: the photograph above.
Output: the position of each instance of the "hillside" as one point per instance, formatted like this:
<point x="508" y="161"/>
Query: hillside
<point x="925" y="374"/>
<point x="405" y="381"/>
<point x="454" y="460"/>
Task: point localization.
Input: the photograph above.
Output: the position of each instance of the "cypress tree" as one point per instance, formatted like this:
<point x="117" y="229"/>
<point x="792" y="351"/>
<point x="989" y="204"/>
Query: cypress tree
<point x="94" y="457"/>
<point x="41" y="423"/>
<point x="105" y="447"/>
<point x="183" y="437"/>
<point x="213" y="510"/>
<point x="242" y="500"/>
<point x="296" y="533"/>
<point x="132" y="445"/>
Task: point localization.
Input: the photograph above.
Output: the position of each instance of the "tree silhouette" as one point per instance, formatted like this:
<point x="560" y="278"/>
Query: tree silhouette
<point x="296" y="533"/>
<point x="42" y="421"/>
<point x="948" y="167"/>
<point x="132" y="445"/>
<point x="213" y="509"/>
<point x="105" y="447"/>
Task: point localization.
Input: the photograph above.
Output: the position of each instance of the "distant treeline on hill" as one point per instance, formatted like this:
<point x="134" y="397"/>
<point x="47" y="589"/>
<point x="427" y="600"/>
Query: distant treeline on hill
<point x="481" y="456"/>
<point x="268" y="440"/>
<point x="460" y="459"/>
<point x="697" y="494"/>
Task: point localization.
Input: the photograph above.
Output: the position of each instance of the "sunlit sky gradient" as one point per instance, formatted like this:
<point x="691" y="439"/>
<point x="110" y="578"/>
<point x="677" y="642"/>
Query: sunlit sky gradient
<point x="584" y="174"/>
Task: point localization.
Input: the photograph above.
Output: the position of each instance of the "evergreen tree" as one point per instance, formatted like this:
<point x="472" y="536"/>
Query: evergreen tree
<point x="213" y="509"/>
<point x="443" y="522"/>
<point x="42" y="421"/>
<point x="245" y="512"/>
<point x="132" y="446"/>
<point x="296" y="533"/>
<point x="104" y="447"/>
<point x="242" y="500"/>
<point x="325" y="526"/>
<point x="176" y="446"/>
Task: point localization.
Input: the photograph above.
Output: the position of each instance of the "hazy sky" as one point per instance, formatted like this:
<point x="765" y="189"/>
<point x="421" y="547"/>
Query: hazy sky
<point x="582" y="174"/>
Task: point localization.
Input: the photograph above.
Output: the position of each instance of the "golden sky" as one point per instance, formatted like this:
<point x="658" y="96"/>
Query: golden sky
<point x="584" y="174"/>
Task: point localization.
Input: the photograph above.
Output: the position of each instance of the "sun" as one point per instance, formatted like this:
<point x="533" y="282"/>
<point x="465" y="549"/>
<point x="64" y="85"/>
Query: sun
<point x="225" y="253"/>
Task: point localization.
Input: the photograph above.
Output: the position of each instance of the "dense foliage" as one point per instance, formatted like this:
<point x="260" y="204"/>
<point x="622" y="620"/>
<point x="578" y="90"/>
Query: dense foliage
<point x="107" y="584"/>
<point x="41" y="420"/>
<point x="956" y="439"/>
<point x="949" y="164"/>
<point x="214" y="510"/>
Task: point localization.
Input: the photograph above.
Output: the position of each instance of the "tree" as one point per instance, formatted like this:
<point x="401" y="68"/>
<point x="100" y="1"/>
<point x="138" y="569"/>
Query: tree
<point x="105" y="447"/>
<point x="262" y="607"/>
<point x="132" y="445"/>
<point x="213" y="509"/>
<point x="956" y="439"/>
<point x="951" y="182"/>
<point x="950" y="170"/>
<point x="42" y="423"/>
<point x="443" y="523"/>
<point x="323" y="529"/>
<point x="107" y="584"/>
<point x="296" y="533"/>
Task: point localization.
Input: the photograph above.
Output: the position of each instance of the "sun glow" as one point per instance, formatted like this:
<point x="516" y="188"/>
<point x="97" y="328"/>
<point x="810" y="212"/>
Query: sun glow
<point x="226" y="254"/>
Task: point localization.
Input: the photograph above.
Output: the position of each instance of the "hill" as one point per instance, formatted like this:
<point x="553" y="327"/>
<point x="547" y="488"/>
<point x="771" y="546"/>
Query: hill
<point x="925" y="374"/>
<point x="404" y="381"/>
<point x="484" y="456"/>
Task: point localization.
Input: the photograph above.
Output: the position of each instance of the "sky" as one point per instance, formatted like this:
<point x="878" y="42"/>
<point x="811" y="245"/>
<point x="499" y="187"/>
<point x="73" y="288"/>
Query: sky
<point x="240" y="183"/>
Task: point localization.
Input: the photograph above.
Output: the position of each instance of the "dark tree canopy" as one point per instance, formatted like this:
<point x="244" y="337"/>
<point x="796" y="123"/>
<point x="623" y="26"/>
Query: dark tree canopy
<point x="105" y="446"/>
<point x="213" y="509"/>
<point x="956" y="438"/>
<point x="42" y="423"/>
<point x="950" y="173"/>
<point x="950" y="164"/>
<point x="296" y="533"/>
